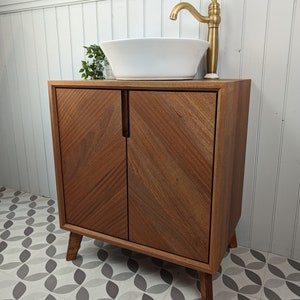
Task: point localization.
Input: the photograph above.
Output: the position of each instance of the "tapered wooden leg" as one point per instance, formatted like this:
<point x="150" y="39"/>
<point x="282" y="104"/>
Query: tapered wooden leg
<point x="233" y="241"/>
<point x="206" y="286"/>
<point x="74" y="244"/>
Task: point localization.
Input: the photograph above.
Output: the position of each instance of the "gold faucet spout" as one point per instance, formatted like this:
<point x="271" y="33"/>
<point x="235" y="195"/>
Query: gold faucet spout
<point x="213" y="20"/>
<point x="185" y="5"/>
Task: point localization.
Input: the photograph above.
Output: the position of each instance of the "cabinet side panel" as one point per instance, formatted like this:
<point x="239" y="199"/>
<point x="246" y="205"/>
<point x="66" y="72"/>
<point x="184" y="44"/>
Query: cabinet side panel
<point x="231" y="132"/>
<point x="239" y="154"/>
<point x="170" y="156"/>
<point x="93" y="160"/>
<point x="56" y="153"/>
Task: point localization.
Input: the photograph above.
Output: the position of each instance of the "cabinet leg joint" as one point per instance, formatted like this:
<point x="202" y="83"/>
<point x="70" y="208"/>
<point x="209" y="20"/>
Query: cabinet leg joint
<point x="73" y="246"/>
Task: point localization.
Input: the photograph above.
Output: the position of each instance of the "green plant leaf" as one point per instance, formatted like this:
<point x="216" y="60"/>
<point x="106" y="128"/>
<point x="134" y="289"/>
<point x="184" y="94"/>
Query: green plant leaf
<point x="93" y="67"/>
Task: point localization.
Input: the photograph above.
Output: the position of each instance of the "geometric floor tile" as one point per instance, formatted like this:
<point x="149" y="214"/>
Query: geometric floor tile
<point x="241" y="275"/>
<point x="33" y="264"/>
<point x="282" y="279"/>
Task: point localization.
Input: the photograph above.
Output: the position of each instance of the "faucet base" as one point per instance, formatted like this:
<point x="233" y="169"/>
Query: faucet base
<point x="211" y="76"/>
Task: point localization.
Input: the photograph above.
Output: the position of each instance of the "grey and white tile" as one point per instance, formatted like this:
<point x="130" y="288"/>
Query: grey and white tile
<point x="241" y="275"/>
<point x="282" y="279"/>
<point x="33" y="265"/>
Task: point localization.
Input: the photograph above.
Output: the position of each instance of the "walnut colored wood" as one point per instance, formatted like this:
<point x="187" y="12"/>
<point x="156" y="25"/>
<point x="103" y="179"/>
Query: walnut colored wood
<point x="156" y="167"/>
<point x="238" y="161"/>
<point x="233" y="241"/>
<point x="93" y="160"/>
<point x="206" y="289"/>
<point x="230" y="137"/>
<point x="170" y="158"/>
<point x="74" y="245"/>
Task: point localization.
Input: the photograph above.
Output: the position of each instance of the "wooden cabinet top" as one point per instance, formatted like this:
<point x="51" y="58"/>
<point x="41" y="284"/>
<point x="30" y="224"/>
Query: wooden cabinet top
<point x="211" y="85"/>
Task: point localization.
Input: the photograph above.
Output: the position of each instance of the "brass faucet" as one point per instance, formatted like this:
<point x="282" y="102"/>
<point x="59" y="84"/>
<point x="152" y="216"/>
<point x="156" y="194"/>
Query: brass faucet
<point x="213" y="20"/>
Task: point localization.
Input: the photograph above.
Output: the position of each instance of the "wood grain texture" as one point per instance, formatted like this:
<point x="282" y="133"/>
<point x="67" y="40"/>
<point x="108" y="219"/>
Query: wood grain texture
<point x="167" y="256"/>
<point x="170" y="158"/>
<point x="230" y="144"/>
<point x="74" y="245"/>
<point x="206" y="288"/>
<point x="93" y="161"/>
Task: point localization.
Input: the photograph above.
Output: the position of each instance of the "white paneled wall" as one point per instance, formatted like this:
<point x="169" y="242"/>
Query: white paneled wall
<point x="259" y="39"/>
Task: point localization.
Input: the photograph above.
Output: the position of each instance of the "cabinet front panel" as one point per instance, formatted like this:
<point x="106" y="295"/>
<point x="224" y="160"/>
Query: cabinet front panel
<point x="170" y="165"/>
<point x="93" y="160"/>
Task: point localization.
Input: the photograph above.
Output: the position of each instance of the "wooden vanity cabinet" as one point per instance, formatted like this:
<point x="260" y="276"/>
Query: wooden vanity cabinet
<point x="153" y="166"/>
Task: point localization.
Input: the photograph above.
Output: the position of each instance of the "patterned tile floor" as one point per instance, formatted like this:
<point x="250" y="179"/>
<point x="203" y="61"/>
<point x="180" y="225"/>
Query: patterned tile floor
<point x="33" y="265"/>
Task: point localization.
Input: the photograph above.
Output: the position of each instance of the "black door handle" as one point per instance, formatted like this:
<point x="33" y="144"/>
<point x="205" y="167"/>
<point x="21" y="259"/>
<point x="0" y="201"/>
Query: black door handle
<point x="125" y="113"/>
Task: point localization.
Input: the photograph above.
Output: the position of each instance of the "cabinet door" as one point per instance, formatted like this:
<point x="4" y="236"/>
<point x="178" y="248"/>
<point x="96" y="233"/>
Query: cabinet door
<point x="93" y="160"/>
<point x="170" y="165"/>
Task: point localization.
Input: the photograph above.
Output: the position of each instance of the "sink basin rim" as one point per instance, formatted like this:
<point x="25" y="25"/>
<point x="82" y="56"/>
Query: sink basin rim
<point x="153" y="38"/>
<point x="153" y="58"/>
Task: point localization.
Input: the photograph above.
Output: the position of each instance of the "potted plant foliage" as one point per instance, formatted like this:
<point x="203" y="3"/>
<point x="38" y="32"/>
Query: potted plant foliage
<point x="96" y="66"/>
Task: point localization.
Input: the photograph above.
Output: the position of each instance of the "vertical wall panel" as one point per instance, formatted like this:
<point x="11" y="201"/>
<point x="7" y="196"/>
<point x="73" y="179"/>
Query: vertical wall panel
<point x="203" y="8"/>
<point x="43" y="74"/>
<point x="289" y="177"/>
<point x="37" y="151"/>
<point x="232" y="21"/>
<point x="76" y="37"/>
<point x="119" y="19"/>
<point x="152" y="15"/>
<point x="13" y="75"/>
<point x="104" y="21"/>
<point x="170" y="28"/>
<point x="189" y="27"/>
<point x="6" y="131"/>
<point x="273" y="88"/>
<point x="64" y="42"/>
<point x="24" y="100"/>
<point x="135" y="18"/>
<point x="51" y="36"/>
<point x="8" y="163"/>
<point x="252" y="67"/>
<point x="90" y="23"/>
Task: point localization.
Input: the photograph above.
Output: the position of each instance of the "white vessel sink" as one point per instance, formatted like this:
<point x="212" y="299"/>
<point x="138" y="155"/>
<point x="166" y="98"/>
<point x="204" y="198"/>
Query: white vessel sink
<point x="154" y="58"/>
